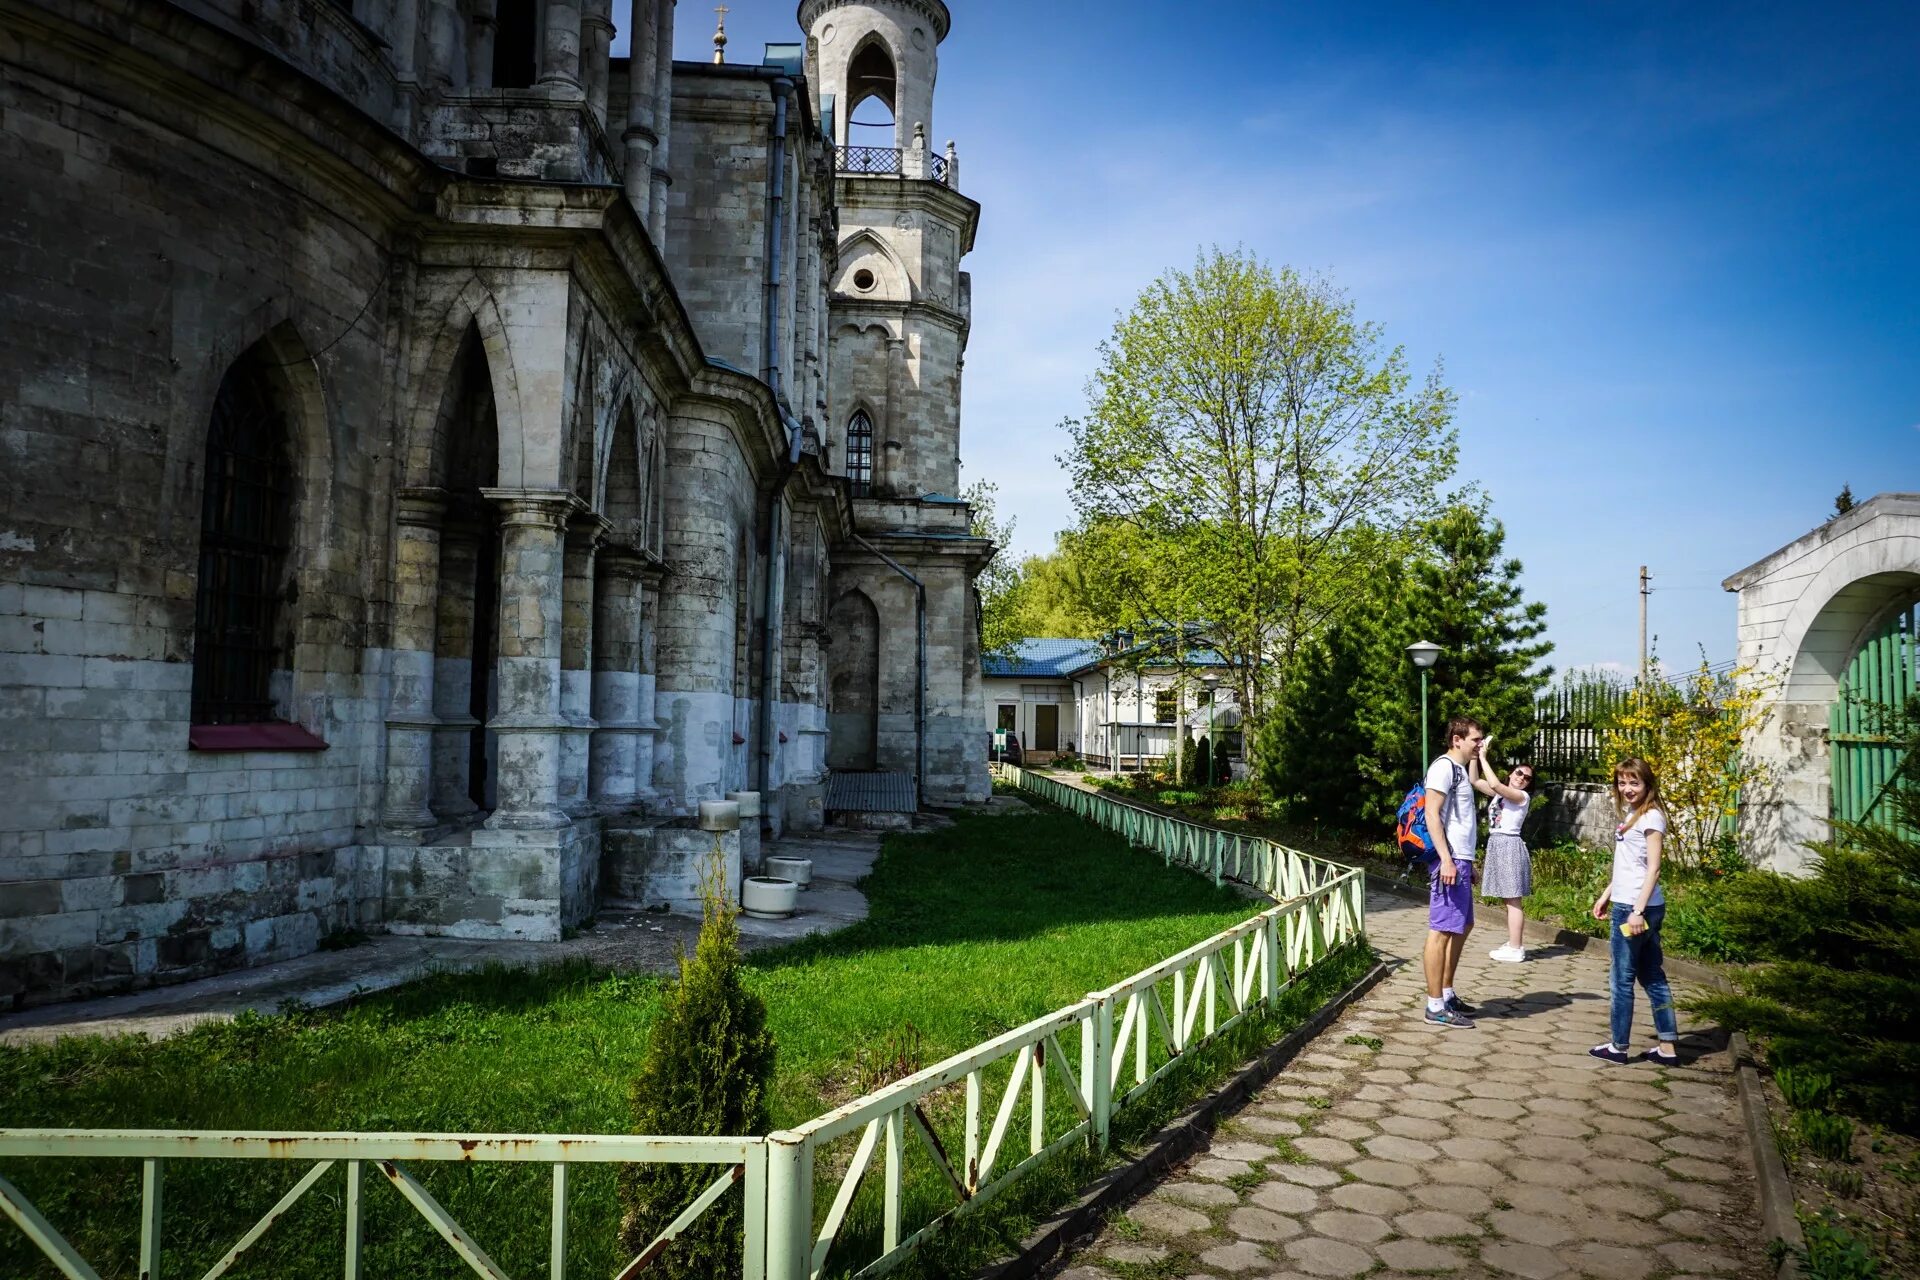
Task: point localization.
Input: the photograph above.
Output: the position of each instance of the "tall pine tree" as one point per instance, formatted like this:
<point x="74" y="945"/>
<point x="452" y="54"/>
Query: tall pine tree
<point x="1345" y="745"/>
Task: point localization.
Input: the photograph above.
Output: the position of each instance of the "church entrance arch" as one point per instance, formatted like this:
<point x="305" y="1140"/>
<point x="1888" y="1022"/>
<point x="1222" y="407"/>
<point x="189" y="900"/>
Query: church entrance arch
<point x="1869" y="736"/>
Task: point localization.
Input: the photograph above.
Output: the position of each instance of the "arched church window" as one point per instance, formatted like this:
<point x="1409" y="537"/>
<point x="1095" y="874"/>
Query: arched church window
<point x="860" y="453"/>
<point x="245" y="531"/>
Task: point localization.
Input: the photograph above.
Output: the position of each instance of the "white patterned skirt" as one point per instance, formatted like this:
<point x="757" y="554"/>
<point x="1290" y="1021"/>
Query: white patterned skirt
<point x="1507" y="870"/>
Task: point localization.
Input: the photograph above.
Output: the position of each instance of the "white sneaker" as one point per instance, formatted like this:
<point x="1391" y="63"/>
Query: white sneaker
<point x="1509" y="953"/>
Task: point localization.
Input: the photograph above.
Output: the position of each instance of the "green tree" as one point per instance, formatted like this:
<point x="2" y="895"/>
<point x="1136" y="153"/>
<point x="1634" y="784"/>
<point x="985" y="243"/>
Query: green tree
<point x="998" y="583"/>
<point x="1249" y="450"/>
<point x="1843" y="503"/>
<point x="708" y="1071"/>
<point x="1057" y="592"/>
<point x="1346" y="742"/>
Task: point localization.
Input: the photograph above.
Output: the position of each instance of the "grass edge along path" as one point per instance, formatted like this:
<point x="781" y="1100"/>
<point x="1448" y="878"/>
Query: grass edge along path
<point x="974" y="930"/>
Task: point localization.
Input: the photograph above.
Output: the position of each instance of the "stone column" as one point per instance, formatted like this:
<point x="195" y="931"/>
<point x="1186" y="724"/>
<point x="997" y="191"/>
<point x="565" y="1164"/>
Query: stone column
<point x="528" y="723"/>
<point x="560" y="52"/>
<point x="443" y="41"/>
<point x="618" y="603"/>
<point x="481" y="28"/>
<point x="887" y="480"/>
<point x="662" y="125"/>
<point x="403" y="32"/>
<point x="456" y="667"/>
<point x="596" y="26"/>
<point x="584" y="536"/>
<point x="406" y="815"/>
<point x="639" y="136"/>
<point x="645" y="700"/>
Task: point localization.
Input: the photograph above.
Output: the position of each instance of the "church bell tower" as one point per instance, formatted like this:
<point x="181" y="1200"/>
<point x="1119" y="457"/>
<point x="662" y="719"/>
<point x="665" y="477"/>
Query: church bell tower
<point x="898" y="317"/>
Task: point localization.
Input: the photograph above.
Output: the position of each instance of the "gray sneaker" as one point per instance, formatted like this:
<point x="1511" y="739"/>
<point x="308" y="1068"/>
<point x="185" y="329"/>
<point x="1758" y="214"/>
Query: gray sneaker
<point x="1448" y="1018"/>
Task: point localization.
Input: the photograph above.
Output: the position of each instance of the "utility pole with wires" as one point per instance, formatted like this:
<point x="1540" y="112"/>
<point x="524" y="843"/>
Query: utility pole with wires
<point x="1645" y="591"/>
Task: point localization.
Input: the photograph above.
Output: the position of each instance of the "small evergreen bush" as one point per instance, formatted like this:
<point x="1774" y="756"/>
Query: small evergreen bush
<point x="708" y="1071"/>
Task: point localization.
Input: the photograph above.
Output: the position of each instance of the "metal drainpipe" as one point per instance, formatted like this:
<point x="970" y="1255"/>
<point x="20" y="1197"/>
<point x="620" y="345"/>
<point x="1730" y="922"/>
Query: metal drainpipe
<point x="774" y="592"/>
<point x="920" y="665"/>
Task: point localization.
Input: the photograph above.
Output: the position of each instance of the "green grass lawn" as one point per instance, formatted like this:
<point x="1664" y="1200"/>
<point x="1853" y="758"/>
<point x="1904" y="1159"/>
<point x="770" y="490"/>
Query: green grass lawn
<point x="973" y="930"/>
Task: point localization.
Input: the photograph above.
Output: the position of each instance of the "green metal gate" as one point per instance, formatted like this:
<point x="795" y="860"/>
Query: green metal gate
<point x="1868" y="735"/>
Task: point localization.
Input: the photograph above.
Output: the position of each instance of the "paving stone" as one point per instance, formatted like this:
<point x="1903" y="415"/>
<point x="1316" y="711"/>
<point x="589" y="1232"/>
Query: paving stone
<point x="1198" y="1193"/>
<point x="1358" y="1109"/>
<point x="1498" y="1109"/>
<point x="1697" y="1195"/>
<point x="1544" y="1200"/>
<point x="1388" y="1146"/>
<point x="1386" y="1075"/>
<point x="1419" y="1255"/>
<point x="1217" y="1170"/>
<point x="1547" y="1173"/>
<point x="1405" y="1126"/>
<point x="1338" y="1125"/>
<point x="1260" y="1224"/>
<point x="1484" y="1088"/>
<point x="1319" y="1256"/>
<point x="1364" y="1197"/>
<point x="1468" y="1173"/>
<point x="1694" y="1224"/>
<point x="1551" y="1106"/>
<point x="1236" y="1257"/>
<point x="1376" y="1093"/>
<point x="1690" y="1256"/>
<point x="1138" y="1255"/>
<point x="1628" y="1202"/>
<point x="1384" y="1172"/>
<point x="1713" y="1104"/>
<point x="1638" y="1173"/>
<point x="1306" y="1175"/>
<point x="1168" y="1219"/>
<point x="1569" y="1150"/>
<point x="1432" y="1093"/>
<point x="1700" y="1148"/>
<point x="1083" y="1273"/>
<point x="1241" y="1150"/>
<point x="1688" y="1122"/>
<point x="1530" y="1261"/>
<point x="1268" y="1126"/>
<point x="1483" y="1149"/>
<point x="1702" y="1170"/>
<point x="1326" y="1150"/>
<point x="1469" y="1202"/>
<point x="1530" y="1228"/>
<point x="1649" y="1094"/>
<point x="1613" y="1261"/>
<point x="1621" y="1126"/>
<point x="1430" y="1224"/>
<point x="1343" y="1224"/>
<point x="1559" y="1127"/>
<point x="1285" y="1197"/>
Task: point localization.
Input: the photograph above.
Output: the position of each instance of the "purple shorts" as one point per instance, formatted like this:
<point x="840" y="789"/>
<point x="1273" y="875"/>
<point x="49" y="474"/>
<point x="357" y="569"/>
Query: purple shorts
<point x="1450" y="906"/>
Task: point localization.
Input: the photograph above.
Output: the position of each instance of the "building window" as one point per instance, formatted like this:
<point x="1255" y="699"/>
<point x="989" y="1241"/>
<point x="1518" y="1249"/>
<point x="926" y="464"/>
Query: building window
<point x="1166" y="705"/>
<point x="860" y="453"/>
<point x="1008" y="714"/>
<point x="516" y="35"/>
<point x="245" y="528"/>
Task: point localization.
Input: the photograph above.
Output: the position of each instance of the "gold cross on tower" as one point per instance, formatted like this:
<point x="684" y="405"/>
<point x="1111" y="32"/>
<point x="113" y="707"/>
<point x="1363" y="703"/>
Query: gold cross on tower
<point x="720" y="34"/>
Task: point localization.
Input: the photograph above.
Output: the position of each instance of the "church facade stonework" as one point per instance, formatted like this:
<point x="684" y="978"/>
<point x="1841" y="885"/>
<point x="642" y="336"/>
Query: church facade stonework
<point x="425" y="472"/>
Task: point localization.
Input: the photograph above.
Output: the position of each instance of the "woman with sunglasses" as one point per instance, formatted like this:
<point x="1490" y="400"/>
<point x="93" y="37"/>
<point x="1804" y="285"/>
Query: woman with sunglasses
<point x="1508" y="870"/>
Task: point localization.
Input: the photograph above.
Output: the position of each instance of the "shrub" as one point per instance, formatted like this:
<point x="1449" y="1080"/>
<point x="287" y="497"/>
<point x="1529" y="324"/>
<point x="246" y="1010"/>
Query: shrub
<point x="1174" y="799"/>
<point x="708" y="1070"/>
<point x="1828" y="1136"/>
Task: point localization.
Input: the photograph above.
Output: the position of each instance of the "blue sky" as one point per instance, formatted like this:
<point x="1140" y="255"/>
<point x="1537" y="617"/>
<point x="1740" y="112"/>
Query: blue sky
<point x="1669" y="253"/>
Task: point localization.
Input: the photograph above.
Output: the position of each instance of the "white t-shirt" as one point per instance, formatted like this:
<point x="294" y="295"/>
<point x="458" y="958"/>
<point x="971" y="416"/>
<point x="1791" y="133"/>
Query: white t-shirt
<point x="1457" y="808"/>
<point x="1505" y="816"/>
<point x="1630" y="859"/>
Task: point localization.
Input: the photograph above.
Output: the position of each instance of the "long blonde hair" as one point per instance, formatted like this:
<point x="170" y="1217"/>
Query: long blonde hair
<point x="1649" y="799"/>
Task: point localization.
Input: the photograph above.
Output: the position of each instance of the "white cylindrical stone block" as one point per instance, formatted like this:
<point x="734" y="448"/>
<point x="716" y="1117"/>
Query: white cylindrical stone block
<point x="719" y="815"/>
<point x="749" y="802"/>
<point x="798" y="870"/>
<point x="768" y="899"/>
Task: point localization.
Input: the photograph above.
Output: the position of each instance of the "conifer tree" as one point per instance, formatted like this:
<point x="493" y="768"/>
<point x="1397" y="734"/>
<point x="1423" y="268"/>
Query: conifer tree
<point x="708" y="1071"/>
<point x="1345" y="745"/>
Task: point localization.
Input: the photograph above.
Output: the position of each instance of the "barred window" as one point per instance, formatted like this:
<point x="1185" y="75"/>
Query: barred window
<point x="860" y="453"/>
<point x="245" y="526"/>
<point x="1166" y="706"/>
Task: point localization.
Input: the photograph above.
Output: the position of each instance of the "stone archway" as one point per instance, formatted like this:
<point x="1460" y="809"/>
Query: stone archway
<point x="853" y="690"/>
<point x="1805" y="612"/>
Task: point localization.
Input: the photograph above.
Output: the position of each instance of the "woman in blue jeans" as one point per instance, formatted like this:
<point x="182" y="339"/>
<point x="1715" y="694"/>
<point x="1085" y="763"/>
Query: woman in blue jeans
<point x="1637" y="908"/>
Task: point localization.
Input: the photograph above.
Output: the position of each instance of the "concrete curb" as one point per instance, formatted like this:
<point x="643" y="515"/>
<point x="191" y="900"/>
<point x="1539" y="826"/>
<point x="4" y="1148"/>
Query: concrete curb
<point x="1176" y="1140"/>
<point x="1778" y="1220"/>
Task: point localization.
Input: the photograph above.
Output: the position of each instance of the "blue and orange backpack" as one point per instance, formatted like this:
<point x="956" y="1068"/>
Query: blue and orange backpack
<point x="1410" y="830"/>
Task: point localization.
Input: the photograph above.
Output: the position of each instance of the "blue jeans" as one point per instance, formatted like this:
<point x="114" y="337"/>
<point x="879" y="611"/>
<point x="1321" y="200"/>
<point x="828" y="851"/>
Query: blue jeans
<point x="1639" y="959"/>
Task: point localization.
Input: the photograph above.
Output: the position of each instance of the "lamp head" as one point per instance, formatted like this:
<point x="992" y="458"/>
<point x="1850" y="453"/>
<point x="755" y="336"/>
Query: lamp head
<point x="1424" y="653"/>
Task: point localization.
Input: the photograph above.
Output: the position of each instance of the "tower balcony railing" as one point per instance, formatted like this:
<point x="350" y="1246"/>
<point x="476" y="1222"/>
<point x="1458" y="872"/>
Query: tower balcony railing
<point x="894" y="162"/>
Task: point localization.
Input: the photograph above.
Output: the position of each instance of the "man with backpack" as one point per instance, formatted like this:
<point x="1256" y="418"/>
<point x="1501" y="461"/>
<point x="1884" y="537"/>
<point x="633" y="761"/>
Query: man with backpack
<point x="1452" y="828"/>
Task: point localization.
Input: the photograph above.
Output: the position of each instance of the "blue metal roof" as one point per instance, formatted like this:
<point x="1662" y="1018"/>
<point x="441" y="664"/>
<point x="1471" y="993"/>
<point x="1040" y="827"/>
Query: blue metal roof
<point x="1041" y="656"/>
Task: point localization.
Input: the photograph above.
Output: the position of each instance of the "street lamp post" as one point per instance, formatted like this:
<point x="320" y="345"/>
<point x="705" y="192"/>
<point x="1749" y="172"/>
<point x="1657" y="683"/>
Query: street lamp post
<point x="1424" y="654"/>
<point x="1212" y="682"/>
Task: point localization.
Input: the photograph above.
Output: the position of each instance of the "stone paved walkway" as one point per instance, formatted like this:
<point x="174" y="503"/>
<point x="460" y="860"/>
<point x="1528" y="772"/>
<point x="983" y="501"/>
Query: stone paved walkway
<point x="1393" y="1148"/>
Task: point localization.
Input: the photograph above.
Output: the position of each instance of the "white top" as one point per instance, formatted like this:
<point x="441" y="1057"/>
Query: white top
<point x="1457" y="807"/>
<point x="1504" y="816"/>
<point x="1630" y="859"/>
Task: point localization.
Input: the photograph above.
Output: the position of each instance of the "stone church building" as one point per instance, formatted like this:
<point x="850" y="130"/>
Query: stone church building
<point x="434" y="451"/>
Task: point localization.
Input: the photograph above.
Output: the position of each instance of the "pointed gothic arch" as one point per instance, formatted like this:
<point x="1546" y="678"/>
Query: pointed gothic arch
<point x="885" y="276"/>
<point x="473" y="311"/>
<point x="853" y="682"/>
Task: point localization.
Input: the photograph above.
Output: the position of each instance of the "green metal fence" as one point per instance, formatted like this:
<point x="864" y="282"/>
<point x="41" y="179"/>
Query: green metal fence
<point x="980" y="1120"/>
<point x="1868" y="734"/>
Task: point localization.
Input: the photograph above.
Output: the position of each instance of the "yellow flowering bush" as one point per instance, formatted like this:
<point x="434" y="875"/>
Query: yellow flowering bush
<point x="1690" y="729"/>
